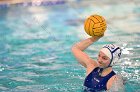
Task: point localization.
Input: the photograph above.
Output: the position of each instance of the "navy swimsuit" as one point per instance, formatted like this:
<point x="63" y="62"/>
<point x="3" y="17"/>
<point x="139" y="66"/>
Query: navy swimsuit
<point x="94" y="82"/>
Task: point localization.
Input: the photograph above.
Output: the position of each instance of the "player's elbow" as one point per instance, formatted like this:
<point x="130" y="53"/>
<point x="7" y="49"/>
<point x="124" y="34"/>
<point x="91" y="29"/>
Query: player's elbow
<point x="73" y="49"/>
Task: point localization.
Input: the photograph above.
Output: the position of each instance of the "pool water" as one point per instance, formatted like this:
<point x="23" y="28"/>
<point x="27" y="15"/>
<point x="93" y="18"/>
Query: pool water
<point x="35" y="45"/>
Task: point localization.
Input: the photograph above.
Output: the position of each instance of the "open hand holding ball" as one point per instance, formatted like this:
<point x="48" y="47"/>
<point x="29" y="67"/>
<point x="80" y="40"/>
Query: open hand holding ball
<point x="95" y="25"/>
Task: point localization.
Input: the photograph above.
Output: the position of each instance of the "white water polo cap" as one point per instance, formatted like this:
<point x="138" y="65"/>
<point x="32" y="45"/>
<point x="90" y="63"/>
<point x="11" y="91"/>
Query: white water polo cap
<point x="113" y="52"/>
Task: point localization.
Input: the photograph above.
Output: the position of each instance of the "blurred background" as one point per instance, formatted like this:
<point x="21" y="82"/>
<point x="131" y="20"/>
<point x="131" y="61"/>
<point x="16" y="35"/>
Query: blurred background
<point x="36" y="37"/>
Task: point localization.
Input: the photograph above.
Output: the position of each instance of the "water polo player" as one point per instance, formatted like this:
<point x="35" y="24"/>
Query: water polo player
<point x="99" y="74"/>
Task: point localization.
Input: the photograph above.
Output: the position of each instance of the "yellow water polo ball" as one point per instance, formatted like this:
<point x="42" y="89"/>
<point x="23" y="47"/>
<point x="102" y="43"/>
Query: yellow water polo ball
<point x="95" y="25"/>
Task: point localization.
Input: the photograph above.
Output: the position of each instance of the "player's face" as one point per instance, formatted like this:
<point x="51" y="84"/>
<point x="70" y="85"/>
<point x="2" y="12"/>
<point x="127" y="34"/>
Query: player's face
<point x="103" y="60"/>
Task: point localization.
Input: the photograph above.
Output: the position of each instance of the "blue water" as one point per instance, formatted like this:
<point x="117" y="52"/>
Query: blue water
<point x="35" y="45"/>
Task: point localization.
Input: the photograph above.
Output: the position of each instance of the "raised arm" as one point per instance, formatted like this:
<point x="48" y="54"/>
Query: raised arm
<point x="81" y="56"/>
